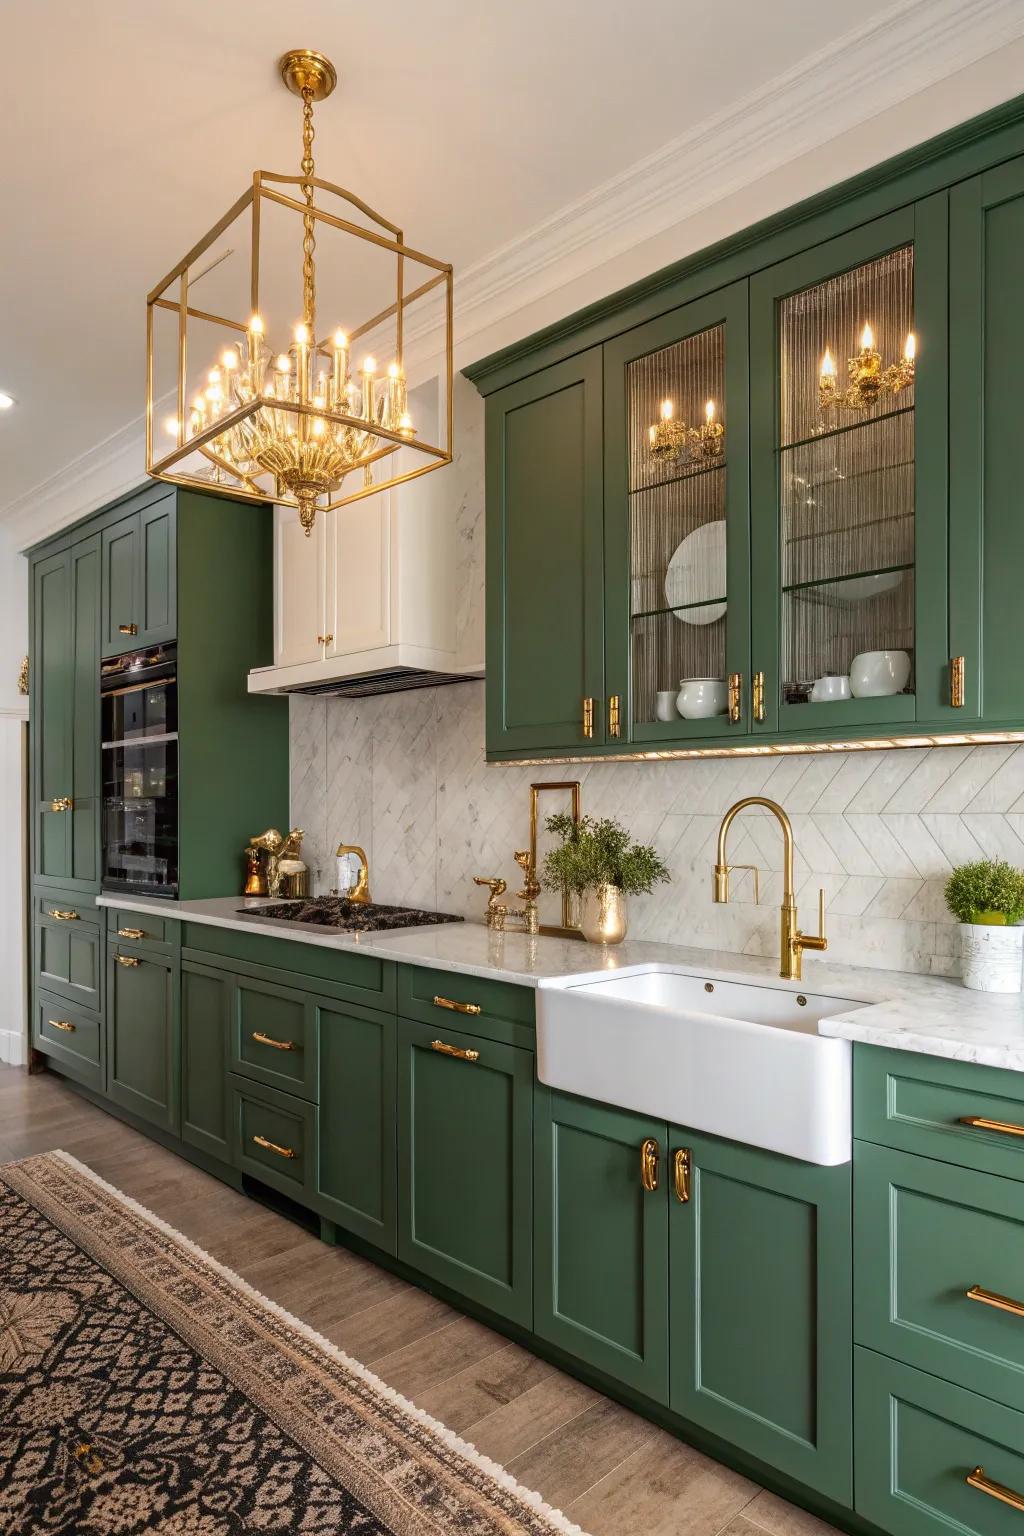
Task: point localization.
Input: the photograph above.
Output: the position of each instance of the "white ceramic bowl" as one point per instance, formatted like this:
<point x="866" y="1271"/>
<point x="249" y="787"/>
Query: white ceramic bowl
<point x="701" y="697"/>
<point x="665" y="706"/>
<point x="877" y="674"/>
<point x="829" y="688"/>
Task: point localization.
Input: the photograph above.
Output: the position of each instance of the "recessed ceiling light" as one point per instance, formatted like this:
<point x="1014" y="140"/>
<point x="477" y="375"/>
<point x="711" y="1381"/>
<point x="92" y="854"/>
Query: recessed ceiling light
<point x="6" y="400"/>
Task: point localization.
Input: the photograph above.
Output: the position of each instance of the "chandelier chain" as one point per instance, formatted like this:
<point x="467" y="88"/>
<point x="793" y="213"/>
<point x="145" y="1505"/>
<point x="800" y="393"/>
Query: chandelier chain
<point x="309" y="237"/>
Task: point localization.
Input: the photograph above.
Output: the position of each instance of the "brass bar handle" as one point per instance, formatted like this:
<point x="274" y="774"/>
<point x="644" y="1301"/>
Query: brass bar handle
<point x="64" y="1024"/>
<point x="981" y="1123"/>
<point x="956" y="682"/>
<point x="681" y="1165"/>
<point x="63" y="915"/>
<point x="128" y="961"/>
<point x="758" y="695"/>
<point x="453" y="1050"/>
<point x="588" y="718"/>
<point x="62" y="803"/>
<point x="977" y="1479"/>
<point x="272" y="1146"/>
<point x="456" y="1007"/>
<point x="324" y="639"/>
<point x="993" y="1299"/>
<point x="735" y="697"/>
<point x="131" y="933"/>
<point x="127" y="629"/>
<point x="614" y="705"/>
<point x="649" y="1164"/>
<point x="279" y="1045"/>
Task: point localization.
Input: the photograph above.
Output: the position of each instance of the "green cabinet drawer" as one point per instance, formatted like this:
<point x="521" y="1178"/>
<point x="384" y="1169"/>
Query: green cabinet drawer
<point x="273" y="1137"/>
<point x="206" y="1010"/>
<point x="357" y="1163"/>
<point x="157" y="934"/>
<point x="143" y="1051"/>
<point x="338" y="973"/>
<point x="273" y="1036"/>
<point x="70" y="1037"/>
<point x="760" y="1305"/>
<point x="67" y="907"/>
<point x="919" y="1103"/>
<point x="465" y="1159"/>
<point x="67" y="943"/>
<point x="934" y="1244"/>
<point x="919" y="1439"/>
<point x="601" y="1240"/>
<point x="496" y="1010"/>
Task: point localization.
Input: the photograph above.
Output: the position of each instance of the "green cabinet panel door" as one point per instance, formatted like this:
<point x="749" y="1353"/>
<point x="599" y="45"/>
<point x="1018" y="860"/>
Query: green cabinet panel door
<point x="273" y="1036"/>
<point x="273" y="1137"/>
<point x="939" y="1252"/>
<point x="143" y="1058"/>
<point x="465" y="1165"/>
<point x="918" y="1441"/>
<point x="70" y="1037"/>
<point x="157" y="573"/>
<point x="986" y="336"/>
<point x="139" y="574"/>
<point x="357" y="1162"/>
<point x="601" y="1240"/>
<point x="86" y="786"/>
<point x="545" y="563"/>
<point x="68" y="955"/>
<point x="120" y="585"/>
<point x="206" y="1008"/>
<point x="760" y="1306"/>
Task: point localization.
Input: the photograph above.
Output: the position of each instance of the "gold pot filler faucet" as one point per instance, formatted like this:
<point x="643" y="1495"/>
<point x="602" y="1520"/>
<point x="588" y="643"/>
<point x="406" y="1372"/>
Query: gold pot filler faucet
<point x="792" y="942"/>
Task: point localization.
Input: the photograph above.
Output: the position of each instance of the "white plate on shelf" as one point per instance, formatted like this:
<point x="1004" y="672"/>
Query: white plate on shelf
<point x="697" y="571"/>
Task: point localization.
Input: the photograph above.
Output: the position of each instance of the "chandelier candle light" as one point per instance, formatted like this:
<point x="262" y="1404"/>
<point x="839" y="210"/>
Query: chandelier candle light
<point x="302" y="426"/>
<point x="671" y="441"/>
<point x="868" y="380"/>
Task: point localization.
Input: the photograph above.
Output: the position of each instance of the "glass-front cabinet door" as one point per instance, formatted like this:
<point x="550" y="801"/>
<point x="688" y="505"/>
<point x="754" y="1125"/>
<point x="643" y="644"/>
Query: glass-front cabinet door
<point x="849" y="515"/>
<point x="677" y="525"/>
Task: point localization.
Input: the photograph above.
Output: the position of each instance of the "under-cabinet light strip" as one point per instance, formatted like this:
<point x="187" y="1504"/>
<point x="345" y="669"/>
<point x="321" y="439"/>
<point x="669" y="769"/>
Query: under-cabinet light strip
<point x="780" y="749"/>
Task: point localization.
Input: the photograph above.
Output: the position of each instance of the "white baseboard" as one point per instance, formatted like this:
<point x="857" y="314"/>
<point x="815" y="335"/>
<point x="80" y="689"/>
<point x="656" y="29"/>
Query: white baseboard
<point x="13" y="1047"/>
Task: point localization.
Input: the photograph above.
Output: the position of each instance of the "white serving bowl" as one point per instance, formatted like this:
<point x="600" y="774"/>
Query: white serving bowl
<point x="877" y="674"/>
<point x="701" y="697"/>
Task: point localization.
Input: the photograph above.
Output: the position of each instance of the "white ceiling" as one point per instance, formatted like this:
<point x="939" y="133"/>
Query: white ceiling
<point x="130" y="127"/>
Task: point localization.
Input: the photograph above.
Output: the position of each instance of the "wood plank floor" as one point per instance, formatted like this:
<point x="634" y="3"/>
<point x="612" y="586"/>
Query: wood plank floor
<point x="609" y="1470"/>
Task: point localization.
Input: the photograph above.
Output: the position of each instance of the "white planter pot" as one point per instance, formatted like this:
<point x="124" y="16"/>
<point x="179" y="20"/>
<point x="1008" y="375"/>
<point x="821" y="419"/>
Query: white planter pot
<point x="991" y="957"/>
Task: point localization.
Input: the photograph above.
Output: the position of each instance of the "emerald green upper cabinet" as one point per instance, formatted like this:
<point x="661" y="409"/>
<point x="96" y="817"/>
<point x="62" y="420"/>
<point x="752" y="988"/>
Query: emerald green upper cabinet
<point x="139" y="582"/>
<point x="677" y="520"/>
<point x="545" y="621"/>
<point x="65" y="714"/>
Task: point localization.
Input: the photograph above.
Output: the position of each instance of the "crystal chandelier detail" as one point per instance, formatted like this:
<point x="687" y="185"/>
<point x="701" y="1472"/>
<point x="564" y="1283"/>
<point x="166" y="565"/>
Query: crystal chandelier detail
<point x="300" y="426"/>
<point x="868" y="379"/>
<point x="671" y="441"/>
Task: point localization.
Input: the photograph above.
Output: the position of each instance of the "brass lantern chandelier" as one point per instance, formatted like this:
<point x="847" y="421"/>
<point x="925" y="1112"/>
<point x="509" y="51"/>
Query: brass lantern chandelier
<point x="306" y="426"/>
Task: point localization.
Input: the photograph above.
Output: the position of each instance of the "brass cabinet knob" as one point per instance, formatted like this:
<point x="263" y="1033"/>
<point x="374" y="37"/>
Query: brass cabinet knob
<point x="127" y="629"/>
<point x="325" y="639"/>
<point x="62" y="803"/>
<point x="649" y="1164"/>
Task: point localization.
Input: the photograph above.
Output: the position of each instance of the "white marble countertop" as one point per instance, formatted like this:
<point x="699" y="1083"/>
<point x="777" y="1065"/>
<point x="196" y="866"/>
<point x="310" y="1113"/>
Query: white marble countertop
<point x="935" y="1015"/>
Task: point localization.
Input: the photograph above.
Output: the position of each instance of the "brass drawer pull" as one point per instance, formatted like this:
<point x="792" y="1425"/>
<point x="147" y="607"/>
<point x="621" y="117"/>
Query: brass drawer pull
<point x="980" y="1123"/>
<point x="63" y="916"/>
<point x="454" y="1050"/>
<point x="614" y="706"/>
<point x="131" y="933"/>
<point x="993" y="1299"/>
<point x="64" y="1024"/>
<point x="956" y="682"/>
<point x="758" y="695"/>
<point x="649" y="1164"/>
<point x="735" y="697"/>
<point x="324" y="639"/>
<point x="588" y="718"/>
<point x="454" y="1007"/>
<point x="279" y="1045"/>
<point x="127" y="629"/>
<point x="62" y="803"/>
<point x="272" y="1146"/>
<point x="129" y="961"/>
<point x="977" y="1479"/>
<point x="681" y="1174"/>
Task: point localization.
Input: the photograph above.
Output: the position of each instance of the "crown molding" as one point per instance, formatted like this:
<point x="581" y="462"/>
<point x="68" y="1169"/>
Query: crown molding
<point x="885" y="60"/>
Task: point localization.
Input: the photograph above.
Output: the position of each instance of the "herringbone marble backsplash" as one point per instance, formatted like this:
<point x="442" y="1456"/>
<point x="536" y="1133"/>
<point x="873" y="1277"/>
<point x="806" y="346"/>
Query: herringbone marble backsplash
<point x="404" y="775"/>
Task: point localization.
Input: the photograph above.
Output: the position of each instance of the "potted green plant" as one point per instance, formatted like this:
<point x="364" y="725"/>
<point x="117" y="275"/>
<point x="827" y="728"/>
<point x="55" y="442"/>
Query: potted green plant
<point x="987" y="899"/>
<point x="598" y="861"/>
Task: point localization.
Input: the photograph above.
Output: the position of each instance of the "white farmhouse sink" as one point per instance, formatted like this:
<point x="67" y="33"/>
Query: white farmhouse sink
<point x="732" y="1058"/>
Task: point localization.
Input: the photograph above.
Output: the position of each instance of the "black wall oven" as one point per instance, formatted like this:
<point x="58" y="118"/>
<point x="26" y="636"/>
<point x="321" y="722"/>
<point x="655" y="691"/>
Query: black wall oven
<point x="139" y="708"/>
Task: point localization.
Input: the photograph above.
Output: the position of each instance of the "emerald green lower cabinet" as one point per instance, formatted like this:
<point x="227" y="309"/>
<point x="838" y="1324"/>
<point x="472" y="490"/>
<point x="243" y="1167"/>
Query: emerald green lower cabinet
<point x="273" y="1036"/>
<point x="465" y="1108"/>
<point x="601" y="1240"/>
<point x="918" y="1441"/>
<point x="273" y="1137"/>
<point x="206" y="998"/>
<point x="759" y="1314"/>
<point x="71" y="1038"/>
<point x="142" y="1036"/>
<point x="357" y="1161"/>
<point x="68" y="953"/>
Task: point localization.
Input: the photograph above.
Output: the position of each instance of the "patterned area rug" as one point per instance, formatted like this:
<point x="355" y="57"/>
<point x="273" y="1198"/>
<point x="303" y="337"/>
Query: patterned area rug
<point x="146" y="1389"/>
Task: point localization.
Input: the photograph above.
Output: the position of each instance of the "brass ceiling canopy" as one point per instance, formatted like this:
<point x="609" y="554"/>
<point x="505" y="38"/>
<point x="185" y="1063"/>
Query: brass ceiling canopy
<point x="300" y="425"/>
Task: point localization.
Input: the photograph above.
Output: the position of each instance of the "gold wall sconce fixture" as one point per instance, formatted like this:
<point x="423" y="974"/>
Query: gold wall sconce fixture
<point x="868" y="379"/>
<point x="671" y="441"/>
<point x="296" y="423"/>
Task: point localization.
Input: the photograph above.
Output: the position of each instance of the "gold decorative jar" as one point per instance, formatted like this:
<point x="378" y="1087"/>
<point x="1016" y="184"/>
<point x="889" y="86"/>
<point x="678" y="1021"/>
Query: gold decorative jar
<point x="603" y="915"/>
